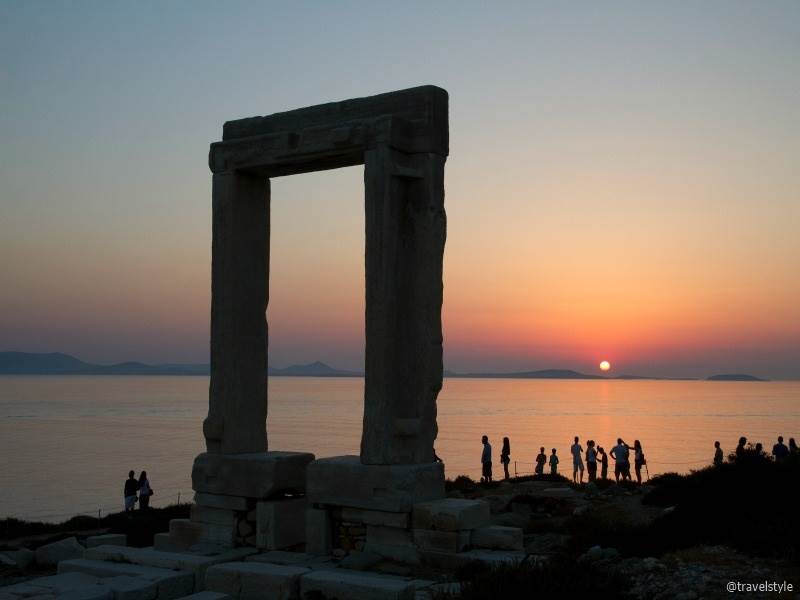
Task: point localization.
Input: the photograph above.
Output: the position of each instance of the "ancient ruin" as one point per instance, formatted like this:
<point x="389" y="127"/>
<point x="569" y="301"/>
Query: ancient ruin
<point x="402" y="140"/>
<point x="272" y="524"/>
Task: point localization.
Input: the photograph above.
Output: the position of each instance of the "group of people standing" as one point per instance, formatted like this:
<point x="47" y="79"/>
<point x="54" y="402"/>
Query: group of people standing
<point x="137" y="490"/>
<point x="780" y="451"/>
<point x="595" y="455"/>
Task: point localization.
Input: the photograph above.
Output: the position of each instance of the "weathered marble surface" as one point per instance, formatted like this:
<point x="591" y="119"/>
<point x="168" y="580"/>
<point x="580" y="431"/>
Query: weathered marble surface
<point x="237" y="412"/>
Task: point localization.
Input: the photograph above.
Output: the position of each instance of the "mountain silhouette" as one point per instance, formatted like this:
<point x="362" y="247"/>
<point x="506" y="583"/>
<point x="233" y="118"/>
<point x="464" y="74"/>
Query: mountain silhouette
<point x="735" y="377"/>
<point x="543" y="374"/>
<point x="57" y="363"/>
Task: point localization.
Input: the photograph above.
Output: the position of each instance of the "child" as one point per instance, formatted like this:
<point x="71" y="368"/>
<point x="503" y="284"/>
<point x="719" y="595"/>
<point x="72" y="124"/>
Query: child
<point x="553" y="462"/>
<point x="591" y="460"/>
<point x="718" y="455"/>
<point x="540" y="460"/>
<point x="603" y="462"/>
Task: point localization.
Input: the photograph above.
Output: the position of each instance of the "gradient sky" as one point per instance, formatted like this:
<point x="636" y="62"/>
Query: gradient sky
<point x="623" y="183"/>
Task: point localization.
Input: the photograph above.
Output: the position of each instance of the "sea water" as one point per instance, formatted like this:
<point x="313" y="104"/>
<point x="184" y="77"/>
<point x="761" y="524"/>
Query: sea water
<point x="68" y="442"/>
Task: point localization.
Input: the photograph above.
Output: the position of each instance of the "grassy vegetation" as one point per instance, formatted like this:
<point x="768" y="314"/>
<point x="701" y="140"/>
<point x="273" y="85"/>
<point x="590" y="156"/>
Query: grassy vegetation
<point x="140" y="526"/>
<point x="750" y="505"/>
<point x="467" y="485"/>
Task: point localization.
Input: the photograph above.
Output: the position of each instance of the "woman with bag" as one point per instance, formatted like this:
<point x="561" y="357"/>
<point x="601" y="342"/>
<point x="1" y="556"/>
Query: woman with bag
<point x="505" y="456"/>
<point x="638" y="460"/>
<point x="145" y="491"/>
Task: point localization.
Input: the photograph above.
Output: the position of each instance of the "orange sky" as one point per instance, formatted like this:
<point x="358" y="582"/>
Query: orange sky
<point x="622" y="185"/>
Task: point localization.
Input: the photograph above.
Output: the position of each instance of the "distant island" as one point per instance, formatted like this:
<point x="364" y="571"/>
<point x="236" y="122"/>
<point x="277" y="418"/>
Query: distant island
<point x="543" y="374"/>
<point x="57" y="363"/>
<point x="735" y="377"/>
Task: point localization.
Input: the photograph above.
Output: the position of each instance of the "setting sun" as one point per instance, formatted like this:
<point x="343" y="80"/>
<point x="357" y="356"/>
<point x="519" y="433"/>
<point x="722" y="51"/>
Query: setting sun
<point x="605" y="365"/>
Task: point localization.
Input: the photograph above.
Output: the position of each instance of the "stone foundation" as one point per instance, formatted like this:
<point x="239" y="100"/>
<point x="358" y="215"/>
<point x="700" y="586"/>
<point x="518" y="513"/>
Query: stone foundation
<point x="398" y="512"/>
<point x="343" y="481"/>
<point x="253" y="500"/>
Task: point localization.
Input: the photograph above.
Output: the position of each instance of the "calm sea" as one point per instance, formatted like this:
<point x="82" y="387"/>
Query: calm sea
<point x="67" y="443"/>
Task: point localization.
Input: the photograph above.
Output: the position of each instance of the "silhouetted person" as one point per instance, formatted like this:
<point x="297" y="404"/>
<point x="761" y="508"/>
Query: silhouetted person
<point x="740" y="448"/>
<point x="603" y="462"/>
<point x="577" y="461"/>
<point x="145" y="491"/>
<point x="505" y="456"/>
<point x="780" y="451"/>
<point x="793" y="447"/>
<point x="131" y="489"/>
<point x="553" y="462"/>
<point x="591" y="460"/>
<point x="541" y="459"/>
<point x="638" y="460"/>
<point x="486" y="460"/>
<point x="621" y="455"/>
<point x="718" y="454"/>
<point x="759" y="449"/>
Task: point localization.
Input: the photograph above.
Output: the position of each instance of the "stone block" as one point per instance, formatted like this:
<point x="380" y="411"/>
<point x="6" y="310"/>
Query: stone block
<point x="223" y="535"/>
<point x="176" y="561"/>
<point x="360" y="561"/>
<point x="126" y="587"/>
<point x="109" y="539"/>
<point x="392" y="536"/>
<point x="441" y="541"/>
<point x="355" y="585"/>
<point x="90" y="592"/>
<point x="162" y="542"/>
<point x="451" y="514"/>
<point x="170" y="584"/>
<point x="493" y="557"/>
<point x="258" y="475"/>
<point x="280" y="523"/>
<point x="298" y="559"/>
<point x="496" y="537"/>
<point x="220" y="501"/>
<point x="255" y="581"/>
<point x="212" y="516"/>
<point x="318" y="532"/>
<point x="376" y="517"/>
<point x="25" y="589"/>
<point x="184" y="534"/>
<point x="22" y="558"/>
<point x="407" y="554"/>
<point x="51" y="554"/>
<point x="55" y="584"/>
<point x="343" y="481"/>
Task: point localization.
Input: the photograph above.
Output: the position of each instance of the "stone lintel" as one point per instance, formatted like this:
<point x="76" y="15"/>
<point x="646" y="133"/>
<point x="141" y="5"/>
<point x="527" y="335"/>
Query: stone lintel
<point x="425" y="106"/>
<point x="313" y="149"/>
<point x="258" y="475"/>
<point x="337" y="134"/>
<point x="343" y="481"/>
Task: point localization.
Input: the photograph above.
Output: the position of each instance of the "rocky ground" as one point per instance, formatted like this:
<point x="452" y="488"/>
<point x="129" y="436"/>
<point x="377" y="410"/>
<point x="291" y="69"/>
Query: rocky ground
<point x="603" y="540"/>
<point x="564" y="522"/>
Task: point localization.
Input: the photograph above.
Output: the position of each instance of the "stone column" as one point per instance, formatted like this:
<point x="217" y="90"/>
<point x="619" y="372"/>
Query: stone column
<point x="405" y="236"/>
<point x="237" y="410"/>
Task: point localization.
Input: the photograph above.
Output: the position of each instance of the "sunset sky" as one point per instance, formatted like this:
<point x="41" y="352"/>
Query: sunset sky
<point x="623" y="180"/>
